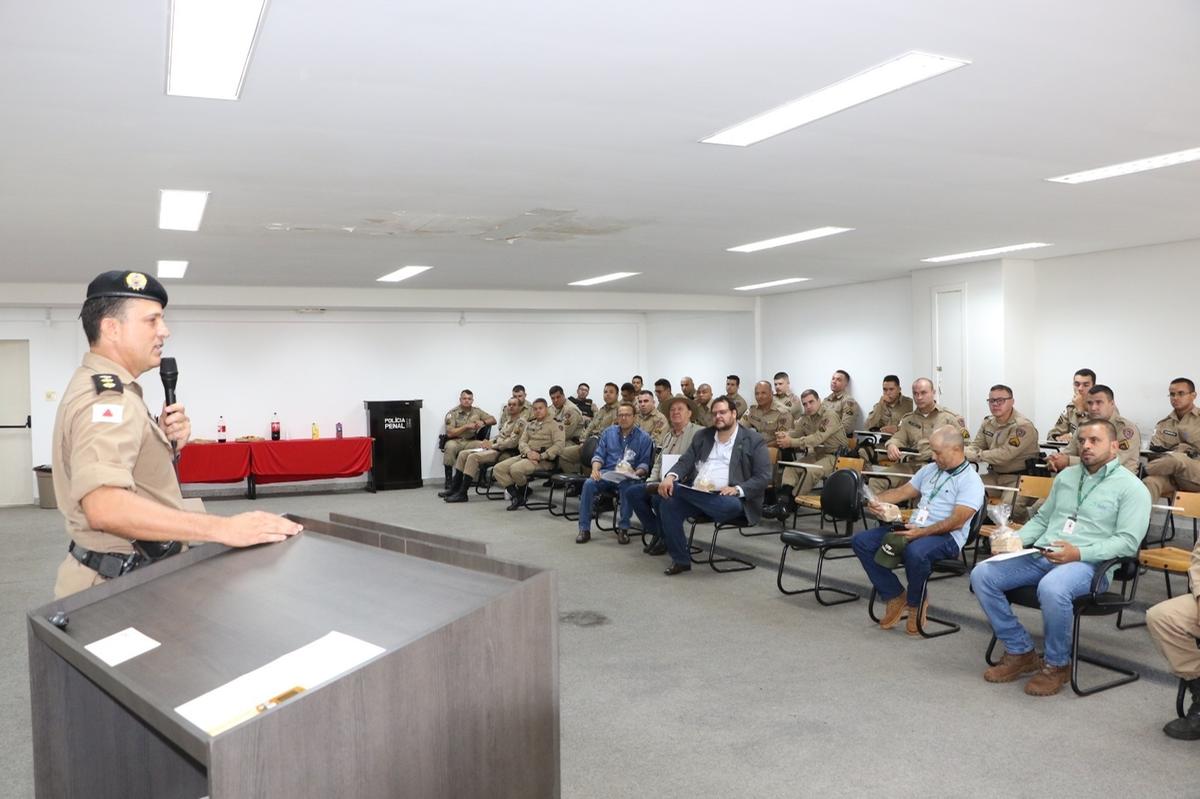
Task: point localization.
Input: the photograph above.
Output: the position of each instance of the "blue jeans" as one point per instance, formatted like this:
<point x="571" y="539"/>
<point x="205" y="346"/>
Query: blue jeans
<point x="919" y="555"/>
<point x="683" y="503"/>
<point x="634" y="499"/>
<point x="1057" y="587"/>
<point x="591" y="489"/>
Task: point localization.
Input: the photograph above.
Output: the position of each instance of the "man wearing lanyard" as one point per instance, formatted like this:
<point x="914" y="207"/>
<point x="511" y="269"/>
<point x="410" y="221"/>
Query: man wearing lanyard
<point x="625" y="448"/>
<point x="949" y="493"/>
<point x="1096" y="511"/>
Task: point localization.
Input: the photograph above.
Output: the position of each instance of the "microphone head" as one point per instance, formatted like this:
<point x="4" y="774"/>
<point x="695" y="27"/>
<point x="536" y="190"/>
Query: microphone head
<point x="168" y="368"/>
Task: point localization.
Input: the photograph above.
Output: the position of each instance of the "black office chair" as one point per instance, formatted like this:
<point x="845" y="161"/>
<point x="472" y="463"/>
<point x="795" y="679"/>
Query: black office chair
<point x="566" y="482"/>
<point x="736" y="523"/>
<point x="1094" y="603"/>
<point x="941" y="570"/>
<point x="840" y="503"/>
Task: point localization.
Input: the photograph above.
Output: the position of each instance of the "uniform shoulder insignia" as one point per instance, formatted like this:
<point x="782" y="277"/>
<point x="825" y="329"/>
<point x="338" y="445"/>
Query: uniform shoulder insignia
<point x="1014" y="442"/>
<point x="108" y="383"/>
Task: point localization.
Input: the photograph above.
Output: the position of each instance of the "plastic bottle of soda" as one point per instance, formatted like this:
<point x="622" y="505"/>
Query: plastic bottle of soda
<point x="275" y="427"/>
<point x="221" y="430"/>
<point x="339" y="429"/>
<point x="316" y="431"/>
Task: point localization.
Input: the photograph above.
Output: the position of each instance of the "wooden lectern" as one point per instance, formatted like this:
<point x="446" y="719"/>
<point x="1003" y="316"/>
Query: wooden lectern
<point x="463" y="701"/>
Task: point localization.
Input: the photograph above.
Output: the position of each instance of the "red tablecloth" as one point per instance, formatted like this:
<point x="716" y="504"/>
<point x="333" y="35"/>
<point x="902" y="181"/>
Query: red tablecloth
<point x="214" y="463"/>
<point x="309" y="459"/>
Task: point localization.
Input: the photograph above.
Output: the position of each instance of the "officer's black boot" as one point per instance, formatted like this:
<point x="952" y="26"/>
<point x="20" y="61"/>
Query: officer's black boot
<point x="786" y="506"/>
<point x="464" y="485"/>
<point x="449" y="476"/>
<point x="452" y="489"/>
<point x="520" y="493"/>
<point x="1188" y="727"/>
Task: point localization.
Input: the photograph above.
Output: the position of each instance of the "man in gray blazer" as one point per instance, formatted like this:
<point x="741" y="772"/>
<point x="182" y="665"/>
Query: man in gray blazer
<point x="722" y="475"/>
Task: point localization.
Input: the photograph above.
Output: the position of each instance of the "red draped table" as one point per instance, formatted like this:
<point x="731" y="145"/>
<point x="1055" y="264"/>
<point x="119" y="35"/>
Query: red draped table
<point x="307" y="459"/>
<point x="214" y="463"/>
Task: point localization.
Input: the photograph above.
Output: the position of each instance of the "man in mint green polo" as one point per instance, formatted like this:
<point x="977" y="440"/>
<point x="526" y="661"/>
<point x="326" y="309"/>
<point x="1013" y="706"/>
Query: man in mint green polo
<point x="1096" y="510"/>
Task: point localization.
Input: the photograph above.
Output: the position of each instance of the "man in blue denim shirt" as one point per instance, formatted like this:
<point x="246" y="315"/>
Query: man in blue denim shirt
<point x="949" y="493"/>
<point x="621" y="443"/>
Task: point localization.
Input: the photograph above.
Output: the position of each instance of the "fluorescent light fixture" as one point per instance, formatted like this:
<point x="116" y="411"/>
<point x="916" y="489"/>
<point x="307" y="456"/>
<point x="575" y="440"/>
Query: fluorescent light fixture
<point x="210" y="46"/>
<point x="181" y="210"/>
<point x="1029" y="245"/>
<point x="772" y="284"/>
<point x="1129" y="167"/>
<point x="766" y="244"/>
<point x="912" y="67"/>
<point x="172" y="269"/>
<point x="591" y="281"/>
<point x="404" y="273"/>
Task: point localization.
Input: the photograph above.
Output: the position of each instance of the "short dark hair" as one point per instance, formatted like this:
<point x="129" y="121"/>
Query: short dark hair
<point x="639" y="377"/>
<point x="1088" y="373"/>
<point x="647" y="392"/>
<point x="628" y="387"/>
<point x="97" y="309"/>
<point x="606" y="385"/>
<point x="1191" y="386"/>
<point x="1100" y="388"/>
<point x="725" y="399"/>
<point x="468" y="392"/>
<point x="585" y="385"/>
<point x="628" y="405"/>
<point x="518" y="387"/>
<point x="541" y="400"/>
<point x="778" y="375"/>
<point x="663" y="382"/>
<point x="891" y="379"/>
<point x="808" y="392"/>
<point x="734" y="378"/>
<point x="1001" y="387"/>
<point x="843" y="373"/>
<point x="555" y="390"/>
<point x="1105" y="423"/>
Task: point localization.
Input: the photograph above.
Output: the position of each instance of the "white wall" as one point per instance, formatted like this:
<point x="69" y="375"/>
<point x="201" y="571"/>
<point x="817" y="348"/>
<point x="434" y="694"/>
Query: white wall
<point x="864" y="329"/>
<point x="703" y="346"/>
<point x="1129" y="314"/>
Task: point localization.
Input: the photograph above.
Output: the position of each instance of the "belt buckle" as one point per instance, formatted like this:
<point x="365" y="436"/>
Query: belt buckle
<point x="110" y="566"/>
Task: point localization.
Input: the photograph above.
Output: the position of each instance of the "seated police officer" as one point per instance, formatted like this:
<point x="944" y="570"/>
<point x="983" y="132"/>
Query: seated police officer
<point x="113" y="468"/>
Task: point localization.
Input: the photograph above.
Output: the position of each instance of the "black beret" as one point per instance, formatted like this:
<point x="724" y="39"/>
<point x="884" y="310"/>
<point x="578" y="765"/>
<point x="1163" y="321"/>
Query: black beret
<point x="127" y="284"/>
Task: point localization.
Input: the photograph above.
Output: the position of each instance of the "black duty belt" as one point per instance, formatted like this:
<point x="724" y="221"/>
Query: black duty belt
<point x="106" y="564"/>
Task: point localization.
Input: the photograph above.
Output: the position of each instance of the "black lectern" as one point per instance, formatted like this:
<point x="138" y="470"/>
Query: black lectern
<point x="396" y="427"/>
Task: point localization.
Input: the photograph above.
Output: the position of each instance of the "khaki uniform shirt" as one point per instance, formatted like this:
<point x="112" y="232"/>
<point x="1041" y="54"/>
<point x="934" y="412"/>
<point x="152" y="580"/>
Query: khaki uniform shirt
<point x="884" y="415"/>
<point x="767" y="422"/>
<point x="1181" y="435"/>
<point x="1004" y="447"/>
<point x="655" y="425"/>
<point x="739" y="402"/>
<point x="790" y="403"/>
<point x="820" y="434"/>
<point x="703" y="415"/>
<point x="673" y="445"/>
<point x="1129" y="446"/>
<point x="846" y="409"/>
<point x="571" y="419"/>
<point x="509" y="436"/>
<point x="546" y="437"/>
<point x="527" y="410"/>
<point x="1068" y="422"/>
<point x="457" y="417"/>
<point x="104" y="436"/>
<point x="606" y="416"/>
<point x="915" y="429"/>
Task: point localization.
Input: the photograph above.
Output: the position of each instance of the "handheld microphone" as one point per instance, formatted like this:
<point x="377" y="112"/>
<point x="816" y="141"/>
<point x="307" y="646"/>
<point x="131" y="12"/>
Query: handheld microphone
<point x="168" y="370"/>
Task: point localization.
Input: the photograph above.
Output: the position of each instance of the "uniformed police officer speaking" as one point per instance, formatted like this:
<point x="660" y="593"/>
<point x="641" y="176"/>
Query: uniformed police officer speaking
<point x="113" y="464"/>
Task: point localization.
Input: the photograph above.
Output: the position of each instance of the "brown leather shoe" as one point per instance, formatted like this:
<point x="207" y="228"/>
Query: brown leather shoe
<point x="912" y="628"/>
<point x="1049" y="680"/>
<point x="622" y="535"/>
<point x="892" y="613"/>
<point x="583" y="537"/>
<point x="1011" y="667"/>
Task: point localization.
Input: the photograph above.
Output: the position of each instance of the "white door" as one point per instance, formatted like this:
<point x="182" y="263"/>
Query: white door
<point x="16" y="440"/>
<point x="949" y="348"/>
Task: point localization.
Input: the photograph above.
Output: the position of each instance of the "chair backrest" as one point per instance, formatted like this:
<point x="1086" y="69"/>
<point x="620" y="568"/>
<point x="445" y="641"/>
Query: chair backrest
<point x="855" y="464"/>
<point x="1036" y="487"/>
<point x="1190" y="502"/>
<point x="483" y="433"/>
<point x="976" y="526"/>
<point x="840" y="496"/>
<point x="587" y="450"/>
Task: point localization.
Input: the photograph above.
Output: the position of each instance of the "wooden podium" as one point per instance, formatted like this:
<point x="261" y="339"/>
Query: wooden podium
<point x="463" y="701"/>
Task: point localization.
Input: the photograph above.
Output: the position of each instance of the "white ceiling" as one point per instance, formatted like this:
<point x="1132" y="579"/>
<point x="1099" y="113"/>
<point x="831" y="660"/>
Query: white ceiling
<point x="524" y="145"/>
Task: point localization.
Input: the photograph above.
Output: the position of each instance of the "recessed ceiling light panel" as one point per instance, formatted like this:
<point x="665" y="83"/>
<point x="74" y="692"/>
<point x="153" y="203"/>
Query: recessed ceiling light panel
<point x="210" y="46"/>
<point x="772" y="284"/>
<point x="181" y="210"/>
<point x="404" y="273"/>
<point x="592" y="281"/>
<point x="912" y="67"/>
<point x="172" y="269"/>
<point x="1130" y="167"/>
<point x="806" y="235"/>
<point x="962" y="256"/>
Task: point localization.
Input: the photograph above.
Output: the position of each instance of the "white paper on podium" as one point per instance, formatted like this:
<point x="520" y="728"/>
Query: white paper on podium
<point x="310" y="665"/>
<point x="668" y="462"/>
<point x="120" y="647"/>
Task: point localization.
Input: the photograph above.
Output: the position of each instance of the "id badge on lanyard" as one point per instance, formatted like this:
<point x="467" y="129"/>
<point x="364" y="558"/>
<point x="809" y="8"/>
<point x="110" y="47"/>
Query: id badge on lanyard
<point x="1068" y="525"/>
<point x="921" y="516"/>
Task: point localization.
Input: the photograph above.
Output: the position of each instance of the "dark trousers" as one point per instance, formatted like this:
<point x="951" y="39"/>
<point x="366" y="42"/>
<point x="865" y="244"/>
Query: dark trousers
<point x="684" y="502"/>
<point x="635" y="500"/>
